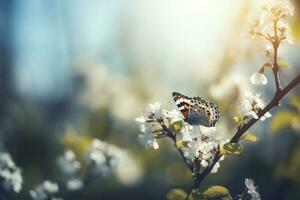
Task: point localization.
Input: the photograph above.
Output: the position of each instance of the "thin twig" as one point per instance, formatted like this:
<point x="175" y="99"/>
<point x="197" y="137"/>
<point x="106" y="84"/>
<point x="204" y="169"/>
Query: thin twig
<point x="275" y="67"/>
<point x="171" y="135"/>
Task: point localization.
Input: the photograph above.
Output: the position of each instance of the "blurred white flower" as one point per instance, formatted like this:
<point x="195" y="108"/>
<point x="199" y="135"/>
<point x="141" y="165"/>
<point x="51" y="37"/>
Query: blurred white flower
<point x="104" y="159"/>
<point x="68" y="163"/>
<point x="10" y="173"/>
<point x="127" y="169"/>
<point x="99" y="161"/>
<point x="70" y="167"/>
<point x="252" y="189"/>
<point x="140" y="120"/>
<point x="251" y="105"/>
<point x="229" y="87"/>
<point x="103" y="89"/>
<point x="271" y="12"/>
<point x="44" y="190"/>
<point x="50" y="187"/>
<point x="74" y="184"/>
<point x="278" y="9"/>
<point x="258" y="78"/>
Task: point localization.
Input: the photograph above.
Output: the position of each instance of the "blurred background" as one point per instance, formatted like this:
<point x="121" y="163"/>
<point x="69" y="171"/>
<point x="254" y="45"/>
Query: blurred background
<point x="76" y="70"/>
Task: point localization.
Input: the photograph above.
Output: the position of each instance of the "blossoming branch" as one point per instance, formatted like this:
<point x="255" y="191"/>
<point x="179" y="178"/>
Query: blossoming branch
<point x="202" y="148"/>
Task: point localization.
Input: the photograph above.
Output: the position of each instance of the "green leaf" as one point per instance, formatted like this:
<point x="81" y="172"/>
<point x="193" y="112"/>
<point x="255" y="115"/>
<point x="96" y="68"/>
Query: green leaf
<point x="295" y="101"/>
<point x="249" y="137"/>
<point x="232" y="148"/>
<point x="240" y="120"/>
<point x="212" y="192"/>
<point x="180" y="144"/>
<point x="282" y="120"/>
<point x="176" y="194"/>
<point x="176" y="126"/>
<point x="282" y="64"/>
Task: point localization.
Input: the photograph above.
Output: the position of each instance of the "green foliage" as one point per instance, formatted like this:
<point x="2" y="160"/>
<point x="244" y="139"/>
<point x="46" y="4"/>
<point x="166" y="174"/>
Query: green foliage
<point x="240" y="120"/>
<point x="249" y="137"/>
<point x="176" y="126"/>
<point x="290" y="170"/>
<point x="282" y="64"/>
<point x="232" y="148"/>
<point x="176" y="194"/>
<point x="295" y="101"/>
<point x="78" y="143"/>
<point x="212" y="192"/>
<point x="180" y="144"/>
<point x="282" y="120"/>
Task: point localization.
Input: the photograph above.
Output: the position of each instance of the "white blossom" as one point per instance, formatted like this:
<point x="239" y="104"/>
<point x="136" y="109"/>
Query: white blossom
<point x="251" y="105"/>
<point x="258" y="78"/>
<point x="74" y="184"/>
<point x="148" y="140"/>
<point x="278" y="9"/>
<point x="196" y="142"/>
<point x="185" y="134"/>
<point x="97" y="158"/>
<point x="50" y="187"/>
<point x="68" y="163"/>
<point x="10" y="173"/>
<point x="173" y="115"/>
<point x="70" y="167"/>
<point x="204" y="144"/>
<point x="252" y="189"/>
<point x="204" y="163"/>
<point x="44" y="190"/>
<point x="153" y="111"/>
<point x="105" y="159"/>
<point x="215" y="168"/>
<point x="273" y="11"/>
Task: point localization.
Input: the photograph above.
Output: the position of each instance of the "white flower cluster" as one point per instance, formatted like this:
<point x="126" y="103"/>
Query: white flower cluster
<point x="270" y="12"/>
<point x="154" y="113"/>
<point x="105" y="159"/>
<point x="202" y="143"/>
<point x="10" y="173"/>
<point x="71" y="166"/>
<point x="252" y="104"/>
<point x="252" y="189"/>
<point x="196" y="142"/>
<point x="98" y="159"/>
<point x="45" y="190"/>
<point x="272" y="25"/>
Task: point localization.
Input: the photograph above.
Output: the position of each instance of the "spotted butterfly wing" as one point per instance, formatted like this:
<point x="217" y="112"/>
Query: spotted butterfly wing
<point x="197" y="111"/>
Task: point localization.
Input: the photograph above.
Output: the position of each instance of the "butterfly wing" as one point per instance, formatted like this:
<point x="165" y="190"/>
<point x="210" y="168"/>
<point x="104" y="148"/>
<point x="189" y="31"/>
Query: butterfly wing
<point x="196" y="110"/>
<point x="183" y="103"/>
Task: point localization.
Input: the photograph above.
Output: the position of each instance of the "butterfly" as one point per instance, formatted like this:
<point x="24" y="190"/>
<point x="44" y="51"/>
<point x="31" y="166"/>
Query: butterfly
<point x="197" y="111"/>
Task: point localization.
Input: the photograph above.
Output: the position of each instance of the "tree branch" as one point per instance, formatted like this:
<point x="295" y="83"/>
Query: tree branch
<point x="275" y="67"/>
<point x="240" y="131"/>
<point x="173" y="137"/>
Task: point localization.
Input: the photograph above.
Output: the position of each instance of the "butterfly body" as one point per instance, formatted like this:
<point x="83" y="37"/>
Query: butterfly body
<point x="197" y="111"/>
